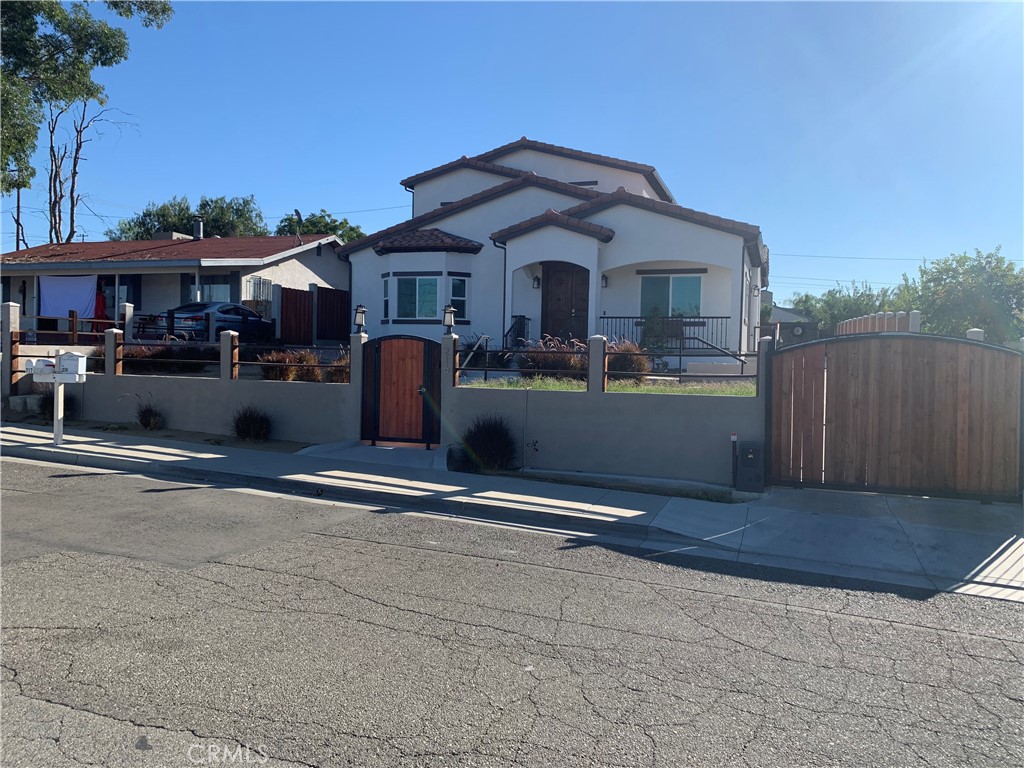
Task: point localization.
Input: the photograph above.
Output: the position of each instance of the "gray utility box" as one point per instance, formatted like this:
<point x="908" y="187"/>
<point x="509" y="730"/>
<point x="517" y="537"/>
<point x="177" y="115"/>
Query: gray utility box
<point x="750" y="467"/>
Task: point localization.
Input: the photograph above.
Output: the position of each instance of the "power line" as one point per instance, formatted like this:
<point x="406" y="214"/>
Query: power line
<point x="844" y="258"/>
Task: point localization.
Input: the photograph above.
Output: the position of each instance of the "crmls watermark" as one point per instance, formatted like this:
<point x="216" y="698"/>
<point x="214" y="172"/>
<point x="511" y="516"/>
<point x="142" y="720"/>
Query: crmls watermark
<point x="216" y="754"/>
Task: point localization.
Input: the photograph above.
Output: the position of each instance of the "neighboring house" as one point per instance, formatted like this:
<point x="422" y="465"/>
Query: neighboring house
<point x="173" y="269"/>
<point x="789" y="315"/>
<point x="531" y="239"/>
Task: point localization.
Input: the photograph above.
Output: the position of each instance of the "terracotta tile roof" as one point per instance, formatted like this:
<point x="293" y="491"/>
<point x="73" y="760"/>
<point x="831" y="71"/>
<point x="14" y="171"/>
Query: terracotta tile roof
<point x="750" y="233"/>
<point x="530" y="180"/>
<point x="426" y="240"/>
<point x="552" y="218"/>
<point x="647" y="171"/>
<point x="156" y="251"/>
<point x="463" y="162"/>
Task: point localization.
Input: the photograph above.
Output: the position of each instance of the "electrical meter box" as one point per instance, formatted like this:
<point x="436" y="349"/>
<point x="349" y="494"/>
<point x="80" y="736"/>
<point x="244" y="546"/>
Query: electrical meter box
<point x="750" y="467"/>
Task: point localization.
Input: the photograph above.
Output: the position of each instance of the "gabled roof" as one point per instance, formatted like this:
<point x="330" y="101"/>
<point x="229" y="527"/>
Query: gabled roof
<point x="464" y="162"/>
<point x="530" y="180"/>
<point x="208" y="251"/>
<point x="425" y="240"/>
<point x="552" y="218"/>
<point x="750" y="233"/>
<point x="647" y="171"/>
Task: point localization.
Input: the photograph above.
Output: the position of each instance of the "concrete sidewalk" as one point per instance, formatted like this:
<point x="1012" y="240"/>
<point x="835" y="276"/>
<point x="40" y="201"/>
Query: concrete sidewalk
<point x="935" y="544"/>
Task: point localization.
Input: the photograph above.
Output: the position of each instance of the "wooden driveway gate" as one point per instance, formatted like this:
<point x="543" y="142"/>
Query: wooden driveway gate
<point x="402" y="390"/>
<point x="897" y="412"/>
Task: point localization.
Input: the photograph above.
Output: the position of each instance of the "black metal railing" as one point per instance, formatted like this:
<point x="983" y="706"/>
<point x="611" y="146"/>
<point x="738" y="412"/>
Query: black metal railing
<point x="688" y="335"/>
<point x="517" y="332"/>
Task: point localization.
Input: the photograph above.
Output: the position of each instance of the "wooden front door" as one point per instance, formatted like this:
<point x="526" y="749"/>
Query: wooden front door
<point x="402" y="390"/>
<point x="565" y="301"/>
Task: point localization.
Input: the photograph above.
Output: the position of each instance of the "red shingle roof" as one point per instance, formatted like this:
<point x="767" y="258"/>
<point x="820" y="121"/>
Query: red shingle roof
<point x="156" y="251"/>
<point x="464" y="162"/>
<point x="530" y="180"/>
<point x="647" y="171"/>
<point x="552" y="218"/>
<point x="426" y="240"/>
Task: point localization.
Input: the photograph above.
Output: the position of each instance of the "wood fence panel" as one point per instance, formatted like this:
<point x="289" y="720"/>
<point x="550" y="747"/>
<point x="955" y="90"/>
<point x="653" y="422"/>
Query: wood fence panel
<point x="296" y="316"/>
<point x="898" y="412"/>
<point x="332" y="313"/>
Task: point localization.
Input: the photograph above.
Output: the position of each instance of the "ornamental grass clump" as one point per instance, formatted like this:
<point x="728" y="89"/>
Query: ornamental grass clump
<point x="628" y="357"/>
<point x="488" y="444"/>
<point x="252" y="423"/>
<point x="290" y="365"/>
<point x="551" y="356"/>
<point x="337" y="371"/>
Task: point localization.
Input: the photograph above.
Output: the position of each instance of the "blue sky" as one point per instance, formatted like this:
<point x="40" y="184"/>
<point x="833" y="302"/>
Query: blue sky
<point x="862" y="138"/>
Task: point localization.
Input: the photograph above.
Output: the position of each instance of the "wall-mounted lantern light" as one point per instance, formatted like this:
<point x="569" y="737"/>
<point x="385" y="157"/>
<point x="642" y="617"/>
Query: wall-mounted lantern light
<point x="536" y="282"/>
<point x="755" y="290"/>
<point x="604" y="281"/>
<point x="360" y="318"/>
<point x="449" y="319"/>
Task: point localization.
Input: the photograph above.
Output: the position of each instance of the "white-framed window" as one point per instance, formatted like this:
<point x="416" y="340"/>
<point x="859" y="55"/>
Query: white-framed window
<point x="386" y="299"/>
<point x="460" y="297"/>
<point x="669" y="295"/>
<point x="417" y="298"/>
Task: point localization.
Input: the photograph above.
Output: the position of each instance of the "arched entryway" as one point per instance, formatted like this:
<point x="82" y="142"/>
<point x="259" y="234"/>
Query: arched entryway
<point x="565" y="300"/>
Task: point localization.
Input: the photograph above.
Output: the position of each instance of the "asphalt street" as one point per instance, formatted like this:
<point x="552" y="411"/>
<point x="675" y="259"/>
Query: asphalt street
<point x="151" y="623"/>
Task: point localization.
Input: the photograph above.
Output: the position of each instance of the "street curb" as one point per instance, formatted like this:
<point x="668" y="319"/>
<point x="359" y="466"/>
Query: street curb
<point x="638" y="533"/>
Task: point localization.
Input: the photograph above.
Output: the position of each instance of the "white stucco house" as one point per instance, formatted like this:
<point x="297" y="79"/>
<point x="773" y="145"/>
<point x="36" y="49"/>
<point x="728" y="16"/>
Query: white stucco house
<point x="531" y="239"/>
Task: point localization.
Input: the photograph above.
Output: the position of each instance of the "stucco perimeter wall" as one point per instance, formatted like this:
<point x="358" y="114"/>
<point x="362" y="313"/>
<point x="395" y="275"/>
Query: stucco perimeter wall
<point x="684" y="437"/>
<point x="307" y="412"/>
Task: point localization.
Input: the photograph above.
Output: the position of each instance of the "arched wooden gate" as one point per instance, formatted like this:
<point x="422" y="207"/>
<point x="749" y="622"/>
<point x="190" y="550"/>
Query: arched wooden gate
<point x="897" y="412"/>
<point x="402" y="390"/>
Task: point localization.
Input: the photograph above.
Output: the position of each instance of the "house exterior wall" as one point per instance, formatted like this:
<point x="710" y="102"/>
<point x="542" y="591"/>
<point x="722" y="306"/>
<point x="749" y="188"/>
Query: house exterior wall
<point x="642" y="235"/>
<point x="486" y="284"/>
<point x="570" y="170"/>
<point x="450" y="187"/>
<point x="304" y="270"/>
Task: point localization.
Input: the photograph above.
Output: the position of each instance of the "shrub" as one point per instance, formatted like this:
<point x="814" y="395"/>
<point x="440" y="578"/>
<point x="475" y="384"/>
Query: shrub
<point x="46" y="402"/>
<point x="180" y="358"/>
<point x="488" y="443"/>
<point x="552" y="356"/>
<point x="631" y="358"/>
<point x="252" y="423"/>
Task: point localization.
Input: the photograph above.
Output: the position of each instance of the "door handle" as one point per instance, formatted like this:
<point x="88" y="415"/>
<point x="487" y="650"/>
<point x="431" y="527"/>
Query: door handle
<point x="421" y="391"/>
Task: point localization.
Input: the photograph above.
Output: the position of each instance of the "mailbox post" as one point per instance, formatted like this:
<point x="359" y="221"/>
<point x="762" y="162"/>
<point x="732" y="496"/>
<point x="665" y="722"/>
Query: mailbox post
<point x="66" y="368"/>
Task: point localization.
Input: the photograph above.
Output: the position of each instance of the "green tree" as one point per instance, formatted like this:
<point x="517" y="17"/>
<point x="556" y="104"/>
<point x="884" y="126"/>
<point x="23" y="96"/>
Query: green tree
<point x="49" y="52"/>
<point x="321" y="223"/>
<point x="960" y="292"/>
<point x="226" y="217"/>
<point x="843" y="303"/>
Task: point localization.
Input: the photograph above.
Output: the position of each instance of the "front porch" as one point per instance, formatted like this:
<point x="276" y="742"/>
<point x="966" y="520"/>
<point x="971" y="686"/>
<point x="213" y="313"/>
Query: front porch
<point x="671" y="307"/>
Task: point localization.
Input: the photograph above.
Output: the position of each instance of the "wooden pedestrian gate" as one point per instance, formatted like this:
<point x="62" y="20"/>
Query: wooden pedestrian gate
<point x="402" y="390"/>
<point x="894" y="412"/>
